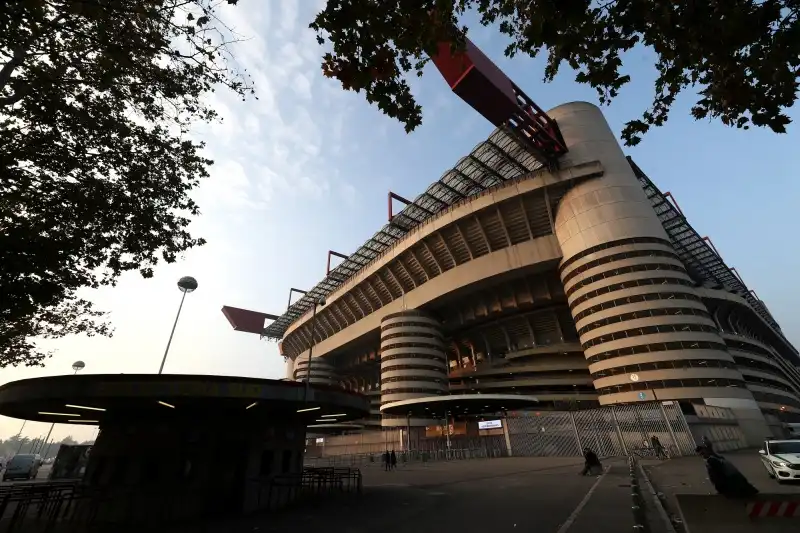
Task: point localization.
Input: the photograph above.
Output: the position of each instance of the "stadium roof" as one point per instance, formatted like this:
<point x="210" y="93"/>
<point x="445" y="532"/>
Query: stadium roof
<point x="702" y="261"/>
<point x="501" y="158"/>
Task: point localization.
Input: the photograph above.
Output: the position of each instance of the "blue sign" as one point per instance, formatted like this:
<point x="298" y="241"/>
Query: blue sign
<point x="642" y="395"/>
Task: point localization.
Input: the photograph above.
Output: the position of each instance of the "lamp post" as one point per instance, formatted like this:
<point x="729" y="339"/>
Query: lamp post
<point x="77" y="366"/>
<point x="19" y="436"/>
<point x="318" y="303"/>
<point x="186" y="285"/>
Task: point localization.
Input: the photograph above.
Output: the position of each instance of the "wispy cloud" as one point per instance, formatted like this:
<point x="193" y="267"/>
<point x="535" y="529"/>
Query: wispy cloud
<point x="278" y="143"/>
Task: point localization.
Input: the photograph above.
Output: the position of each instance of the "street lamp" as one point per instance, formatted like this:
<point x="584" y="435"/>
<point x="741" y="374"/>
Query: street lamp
<point x="186" y="285"/>
<point x="318" y="303"/>
<point x="77" y="366"/>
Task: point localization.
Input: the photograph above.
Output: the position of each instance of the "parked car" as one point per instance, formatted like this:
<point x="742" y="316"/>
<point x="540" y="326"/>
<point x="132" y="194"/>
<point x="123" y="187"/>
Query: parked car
<point x="24" y="466"/>
<point x="781" y="458"/>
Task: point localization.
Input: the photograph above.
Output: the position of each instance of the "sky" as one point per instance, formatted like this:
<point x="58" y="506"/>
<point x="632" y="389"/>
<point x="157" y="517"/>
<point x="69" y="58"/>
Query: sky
<point x="306" y="168"/>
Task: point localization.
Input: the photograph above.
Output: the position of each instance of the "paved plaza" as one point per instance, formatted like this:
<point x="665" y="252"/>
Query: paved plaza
<point x="545" y="494"/>
<point x="687" y="475"/>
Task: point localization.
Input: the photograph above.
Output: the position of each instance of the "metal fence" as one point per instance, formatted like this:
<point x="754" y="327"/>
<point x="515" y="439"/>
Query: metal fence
<point x="61" y="507"/>
<point x="375" y="460"/>
<point x="366" y="443"/>
<point x="609" y="431"/>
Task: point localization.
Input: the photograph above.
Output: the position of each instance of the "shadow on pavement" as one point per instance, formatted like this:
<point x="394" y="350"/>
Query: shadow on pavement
<point x="496" y="496"/>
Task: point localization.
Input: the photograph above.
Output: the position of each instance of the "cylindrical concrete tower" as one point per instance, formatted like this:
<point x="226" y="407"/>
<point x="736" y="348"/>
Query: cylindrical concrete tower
<point x="645" y="332"/>
<point x="322" y="372"/>
<point x="289" y="368"/>
<point x="413" y="361"/>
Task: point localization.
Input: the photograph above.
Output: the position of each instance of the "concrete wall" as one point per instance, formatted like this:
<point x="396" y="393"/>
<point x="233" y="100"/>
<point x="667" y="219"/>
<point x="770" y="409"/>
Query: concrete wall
<point x="523" y="255"/>
<point x="413" y="362"/>
<point x="614" y="250"/>
<point x="748" y="415"/>
<point x="321" y="371"/>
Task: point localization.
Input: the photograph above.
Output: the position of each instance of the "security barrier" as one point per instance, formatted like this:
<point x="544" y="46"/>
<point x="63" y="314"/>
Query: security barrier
<point x="624" y="430"/>
<point x="61" y="507"/>
<point x="611" y="431"/>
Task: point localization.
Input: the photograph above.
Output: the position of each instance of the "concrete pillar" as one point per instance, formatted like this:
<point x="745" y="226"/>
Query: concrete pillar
<point x="322" y="372"/>
<point x="413" y="362"/>
<point x="629" y="293"/>
<point x="289" y="368"/>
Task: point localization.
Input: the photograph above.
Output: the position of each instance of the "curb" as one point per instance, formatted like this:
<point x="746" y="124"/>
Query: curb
<point x="657" y="503"/>
<point x="640" y="524"/>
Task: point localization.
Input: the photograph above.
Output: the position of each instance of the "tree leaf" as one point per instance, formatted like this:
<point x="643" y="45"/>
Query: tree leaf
<point x="743" y="56"/>
<point x="97" y="167"/>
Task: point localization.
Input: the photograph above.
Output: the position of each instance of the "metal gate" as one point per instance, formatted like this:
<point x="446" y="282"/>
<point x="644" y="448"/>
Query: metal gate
<point x="609" y="431"/>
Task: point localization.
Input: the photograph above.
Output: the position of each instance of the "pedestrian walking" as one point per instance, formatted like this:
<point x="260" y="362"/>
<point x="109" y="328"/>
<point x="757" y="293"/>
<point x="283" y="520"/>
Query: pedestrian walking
<point x="725" y="477"/>
<point x="591" y="465"/>
<point x="393" y="460"/>
<point x="658" y="448"/>
<point x="708" y="444"/>
<point x="386" y="461"/>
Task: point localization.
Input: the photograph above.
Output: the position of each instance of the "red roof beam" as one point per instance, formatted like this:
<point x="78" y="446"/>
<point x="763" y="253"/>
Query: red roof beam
<point x="292" y="291"/>
<point x="245" y="320"/>
<point x="674" y="201"/>
<point x="480" y="83"/>
<point x="331" y="253"/>
<point x="708" y="240"/>
<point x="393" y="196"/>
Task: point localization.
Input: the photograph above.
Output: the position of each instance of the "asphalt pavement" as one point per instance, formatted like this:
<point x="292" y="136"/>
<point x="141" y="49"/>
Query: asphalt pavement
<point x="41" y="476"/>
<point x="687" y="475"/>
<point x="546" y="495"/>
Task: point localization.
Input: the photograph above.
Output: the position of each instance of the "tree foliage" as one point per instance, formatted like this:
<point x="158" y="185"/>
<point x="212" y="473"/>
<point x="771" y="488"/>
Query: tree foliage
<point x="741" y="56"/>
<point x="96" y="162"/>
<point x="16" y="444"/>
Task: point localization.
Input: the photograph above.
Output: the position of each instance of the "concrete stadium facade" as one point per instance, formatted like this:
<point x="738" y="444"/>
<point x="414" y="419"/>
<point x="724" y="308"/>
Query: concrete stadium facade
<point x="566" y="284"/>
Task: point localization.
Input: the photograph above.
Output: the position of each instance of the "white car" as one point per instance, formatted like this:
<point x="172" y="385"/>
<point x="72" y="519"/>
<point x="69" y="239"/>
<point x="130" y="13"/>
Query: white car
<point x="781" y="458"/>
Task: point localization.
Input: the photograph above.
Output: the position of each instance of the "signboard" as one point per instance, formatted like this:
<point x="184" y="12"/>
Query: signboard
<point x="320" y="440"/>
<point x="490" y="424"/>
<point x="452" y="429"/>
<point x="642" y="395"/>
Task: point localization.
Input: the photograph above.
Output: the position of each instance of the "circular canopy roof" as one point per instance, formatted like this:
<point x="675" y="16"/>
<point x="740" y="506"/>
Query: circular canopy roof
<point x="108" y="398"/>
<point x="327" y="429"/>
<point x="435" y="407"/>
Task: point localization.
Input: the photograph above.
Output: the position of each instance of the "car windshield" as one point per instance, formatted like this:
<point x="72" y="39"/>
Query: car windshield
<point x="776" y="448"/>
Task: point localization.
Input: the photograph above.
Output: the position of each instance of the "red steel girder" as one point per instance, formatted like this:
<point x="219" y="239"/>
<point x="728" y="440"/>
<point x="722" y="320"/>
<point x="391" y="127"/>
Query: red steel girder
<point x="481" y="84"/>
<point x="245" y="320"/>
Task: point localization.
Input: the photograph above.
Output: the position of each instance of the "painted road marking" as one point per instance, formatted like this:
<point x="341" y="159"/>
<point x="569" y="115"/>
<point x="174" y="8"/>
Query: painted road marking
<point x="566" y="525"/>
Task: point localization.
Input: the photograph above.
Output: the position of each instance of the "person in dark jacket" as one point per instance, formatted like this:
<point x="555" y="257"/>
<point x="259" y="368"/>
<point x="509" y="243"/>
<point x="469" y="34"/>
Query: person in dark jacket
<point x="393" y="460"/>
<point x="387" y="461"/>
<point x="658" y="448"/>
<point x="725" y="477"/>
<point x="591" y="465"/>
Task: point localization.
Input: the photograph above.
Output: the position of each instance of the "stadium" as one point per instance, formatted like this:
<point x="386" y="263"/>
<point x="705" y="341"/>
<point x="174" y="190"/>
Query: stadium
<point x="559" y="273"/>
